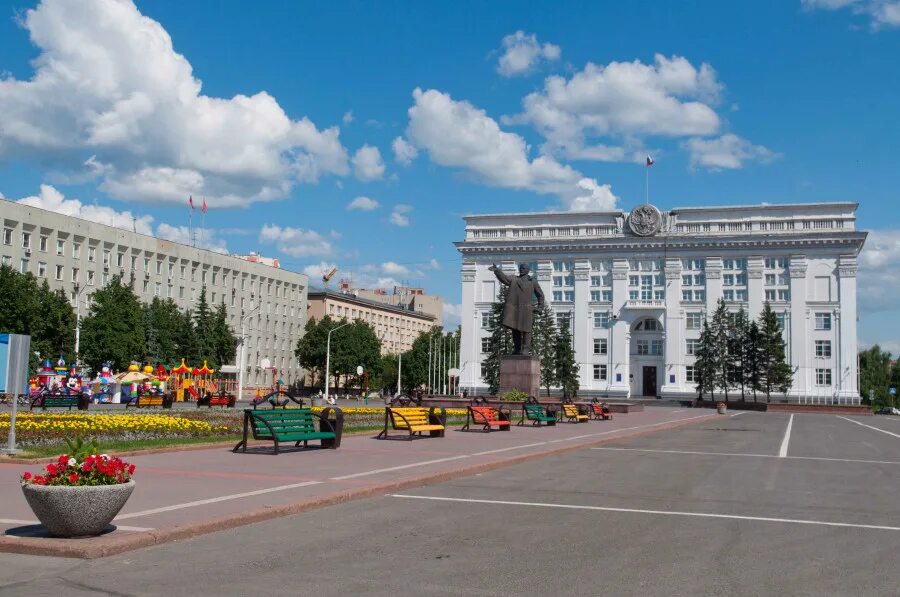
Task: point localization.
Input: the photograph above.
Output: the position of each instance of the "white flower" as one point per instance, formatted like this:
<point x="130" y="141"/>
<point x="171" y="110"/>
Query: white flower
<point x="73" y="462"/>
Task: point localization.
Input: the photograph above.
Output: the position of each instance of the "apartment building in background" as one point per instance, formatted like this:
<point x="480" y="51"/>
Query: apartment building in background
<point x="79" y="256"/>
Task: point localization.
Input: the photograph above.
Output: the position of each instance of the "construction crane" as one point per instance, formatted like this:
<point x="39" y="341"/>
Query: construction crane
<point x="327" y="277"/>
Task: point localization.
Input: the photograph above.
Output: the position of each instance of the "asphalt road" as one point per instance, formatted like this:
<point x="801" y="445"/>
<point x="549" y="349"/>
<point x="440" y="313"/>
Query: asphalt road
<point x="737" y="506"/>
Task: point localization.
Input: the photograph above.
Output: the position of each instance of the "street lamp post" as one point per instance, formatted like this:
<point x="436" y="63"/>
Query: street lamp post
<point x="78" y="293"/>
<point x="243" y="345"/>
<point x="328" y="358"/>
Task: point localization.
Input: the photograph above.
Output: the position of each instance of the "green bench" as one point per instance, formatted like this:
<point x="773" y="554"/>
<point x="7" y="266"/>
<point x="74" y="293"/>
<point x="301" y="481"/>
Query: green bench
<point x="534" y="412"/>
<point x="293" y="425"/>
<point x="45" y="402"/>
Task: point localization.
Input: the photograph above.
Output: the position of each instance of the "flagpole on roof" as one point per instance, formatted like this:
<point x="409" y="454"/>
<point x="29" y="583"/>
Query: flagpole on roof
<point x="191" y="219"/>
<point x="650" y="162"/>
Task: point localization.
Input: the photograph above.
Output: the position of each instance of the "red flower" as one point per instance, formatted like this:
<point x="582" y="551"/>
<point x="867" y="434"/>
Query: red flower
<point x="51" y="469"/>
<point x="73" y="478"/>
<point x="26" y="476"/>
<point x="130" y="469"/>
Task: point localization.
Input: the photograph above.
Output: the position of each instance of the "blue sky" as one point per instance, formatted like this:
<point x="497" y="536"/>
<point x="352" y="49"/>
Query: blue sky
<point x="283" y="114"/>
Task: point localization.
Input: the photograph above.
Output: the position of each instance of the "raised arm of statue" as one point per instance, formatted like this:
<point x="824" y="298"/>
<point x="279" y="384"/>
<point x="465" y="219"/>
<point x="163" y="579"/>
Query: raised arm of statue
<point x="504" y="279"/>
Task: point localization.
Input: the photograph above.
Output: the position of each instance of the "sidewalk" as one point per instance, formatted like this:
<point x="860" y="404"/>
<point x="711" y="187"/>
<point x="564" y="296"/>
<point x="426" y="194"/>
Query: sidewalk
<point x="187" y="493"/>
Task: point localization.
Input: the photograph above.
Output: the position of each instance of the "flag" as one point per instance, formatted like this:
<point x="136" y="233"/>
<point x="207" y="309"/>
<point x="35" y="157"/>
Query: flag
<point x="649" y="160"/>
<point x="203" y="209"/>
<point x="191" y="201"/>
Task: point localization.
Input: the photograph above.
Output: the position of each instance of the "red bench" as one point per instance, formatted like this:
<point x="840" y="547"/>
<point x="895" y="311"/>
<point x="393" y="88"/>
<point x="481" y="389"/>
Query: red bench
<point x="489" y="417"/>
<point x="600" y="412"/>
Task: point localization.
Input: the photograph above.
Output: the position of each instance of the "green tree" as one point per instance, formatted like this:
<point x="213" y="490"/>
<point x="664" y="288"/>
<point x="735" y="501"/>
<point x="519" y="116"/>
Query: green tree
<point x="310" y="349"/>
<point x="114" y="327"/>
<point x="500" y="343"/>
<point x="387" y="375"/>
<point x="565" y="364"/>
<point x="544" y="346"/>
<point x="203" y="329"/>
<point x="707" y="363"/>
<point x="165" y="327"/>
<point x="738" y="332"/>
<point x="875" y="375"/>
<point x="222" y="338"/>
<point x="753" y="360"/>
<point x="720" y="327"/>
<point x="416" y="360"/>
<point x="777" y="372"/>
<point x="351" y="347"/>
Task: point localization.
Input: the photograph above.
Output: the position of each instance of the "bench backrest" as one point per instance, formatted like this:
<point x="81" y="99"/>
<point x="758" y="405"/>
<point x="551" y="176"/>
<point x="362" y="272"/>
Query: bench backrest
<point x="149" y="401"/>
<point x="483" y="414"/>
<point x="403" y="417"/>
<point x="61" y="401"/>
<point x="598" y="408"/>
<point x="534" y="410"/>
<point x="570" y="410"/>
<point x="283" y="421"/>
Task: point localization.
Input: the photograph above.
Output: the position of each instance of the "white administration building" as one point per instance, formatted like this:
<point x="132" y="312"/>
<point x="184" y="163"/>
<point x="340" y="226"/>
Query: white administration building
<point x="635" y="288"/>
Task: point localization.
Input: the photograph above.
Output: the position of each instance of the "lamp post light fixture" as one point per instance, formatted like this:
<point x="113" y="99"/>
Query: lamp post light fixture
<point x="243" y="345"/>
<point x="328" y="357"/>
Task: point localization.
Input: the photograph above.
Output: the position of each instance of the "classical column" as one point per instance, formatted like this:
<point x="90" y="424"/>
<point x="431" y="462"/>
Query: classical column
<point x="618" y="338"/>
<point x="470" y="351"/>
<point x="713" y="276"/>
<point x="583" y="320"/>
<point x="673" y="331"/>
<point x="756" y="294"/>
<point x="845" y="358"/>
<point x="800" y="327"/>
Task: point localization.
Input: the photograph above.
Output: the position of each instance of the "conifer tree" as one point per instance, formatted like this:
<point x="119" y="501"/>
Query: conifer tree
<point x="707" y="363"/>
<point x="753" y="359"/>
<point x="738" y="332"/>
<point x="114" y="328"/>
<point x="719" y="330"/>
<point x="778" y="375"/>
<point x="565" y="364"/>
<point x="500" y="343"/>
<point x="543" y="346"/>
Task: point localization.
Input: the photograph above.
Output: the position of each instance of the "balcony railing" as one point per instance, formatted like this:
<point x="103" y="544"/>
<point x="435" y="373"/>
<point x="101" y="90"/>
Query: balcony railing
<point x="646" y="304"/>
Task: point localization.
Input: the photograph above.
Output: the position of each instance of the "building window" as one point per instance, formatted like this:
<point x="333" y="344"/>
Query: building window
<point x="181" y="294"/>
<point x="92" y="254"/>
<point x="7" y="236"/>
<point x="134" y="262"/>
<point x="157" y="289"/>
<point x="60" y="247"/>
<point x="823" y="377"/>
<point x="74" y="273"/>
<point x="823" y="349"/>
<point x="485" y="345"/>
<point x="169" y="291"/>
<point x="563" y="320"/>
<point x="692" y="345"/>
<point x="42" y="269"/>
<point x="146" y="264"/>
<point x="656" y="347"/>
<point x="562" y="266"/>
<point x="770" y="279"/>
<point x="600" y="345"/>
<point x="76" y="250"/>
<point x="694" y="320"/>
<point x="643" y="347"/>
<point x="26" y="240"/>
<point x="158" y="267"/>
<point x="770" y="295"/>
<point x="780" y="317"/>
<point x="485" y="320"/>
<point x="601" y="319"/>
<point x="145" y="287"/>
<point x="105" y="258"/>
<point x="105" y="278"/>
<point x="728" y="295"/>
<point x="24" y="266"/>
<point x="90" y="278"/>
<point x="43" y="244"/>
<point x="690" y="374"/>
<point x="823" y="321"/>
<point x="7" y="260"/>
<point x="120" y="260"/>
<point x="784" y="295"/>
<point x="599" y="372"/>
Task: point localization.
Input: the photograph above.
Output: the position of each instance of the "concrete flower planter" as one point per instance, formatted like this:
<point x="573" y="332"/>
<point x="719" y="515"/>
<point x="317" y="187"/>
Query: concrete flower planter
<point x="78" y="511"/>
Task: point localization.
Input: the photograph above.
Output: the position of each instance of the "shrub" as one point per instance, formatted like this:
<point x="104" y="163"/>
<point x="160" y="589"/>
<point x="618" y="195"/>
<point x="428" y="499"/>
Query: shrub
<point x="514" y="396"/>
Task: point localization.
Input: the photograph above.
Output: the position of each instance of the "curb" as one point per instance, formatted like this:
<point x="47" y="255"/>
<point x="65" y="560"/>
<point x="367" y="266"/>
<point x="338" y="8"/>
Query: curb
<point x="107" y="546"/>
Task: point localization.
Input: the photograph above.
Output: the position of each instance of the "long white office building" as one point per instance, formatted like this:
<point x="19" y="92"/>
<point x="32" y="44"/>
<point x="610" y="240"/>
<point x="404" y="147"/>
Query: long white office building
<point x="635" y="288"/>
<point x="79" y="256"/>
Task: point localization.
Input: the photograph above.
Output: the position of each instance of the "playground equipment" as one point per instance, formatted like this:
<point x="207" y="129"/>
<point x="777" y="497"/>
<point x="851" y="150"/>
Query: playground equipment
<point x="181" y="382"/>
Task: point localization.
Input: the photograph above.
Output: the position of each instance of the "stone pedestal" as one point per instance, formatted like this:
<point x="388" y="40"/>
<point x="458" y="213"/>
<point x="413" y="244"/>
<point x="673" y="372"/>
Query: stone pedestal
<point x="520" y="372"/>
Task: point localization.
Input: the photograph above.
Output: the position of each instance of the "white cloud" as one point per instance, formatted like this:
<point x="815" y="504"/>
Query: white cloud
<point x="392" y="268"/>
<point x="879" y="271"/>
<point x="111" y="97"/>
<point x="315" y="271"/>
<point x="347" y="118"/>
<point x="51" y="199"/>
<point x="624" y="101"/>
<point x="362" y="204"/>
<point x="457" y="134"/>
<point x="522" y="53"/>
<point x="881" y="13"/>
<point x="204" y="238"/>
<point x="726" y="152"/>
<point x="452" y="315"/>
<point x="367" y="163"/>
<point x="404" y="153"/>
<point x="398" y="215"/>
<point x="296" y="242"/>
<point x="433" y="264"/>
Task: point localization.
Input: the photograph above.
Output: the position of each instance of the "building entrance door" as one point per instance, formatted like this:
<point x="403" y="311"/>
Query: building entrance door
<point x="649" y="387"/>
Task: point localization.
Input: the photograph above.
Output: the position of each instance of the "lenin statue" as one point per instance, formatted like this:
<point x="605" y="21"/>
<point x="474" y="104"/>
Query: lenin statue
<point x="518" y="312"/>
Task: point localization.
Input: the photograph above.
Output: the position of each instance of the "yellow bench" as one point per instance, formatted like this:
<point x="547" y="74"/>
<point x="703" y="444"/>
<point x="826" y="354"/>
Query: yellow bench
<point x="570" y="413"/>
<point x="414" y="420"/>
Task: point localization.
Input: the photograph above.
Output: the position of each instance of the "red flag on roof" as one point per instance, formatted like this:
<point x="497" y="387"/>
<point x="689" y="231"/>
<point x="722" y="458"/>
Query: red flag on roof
<point x="191" y="201"/>
<point x="650" y="161"/>
<point x="203" y="209"/>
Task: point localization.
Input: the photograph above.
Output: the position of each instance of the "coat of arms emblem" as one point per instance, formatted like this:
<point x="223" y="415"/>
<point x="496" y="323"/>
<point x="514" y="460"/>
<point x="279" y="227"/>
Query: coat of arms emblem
<point x="645" y="220"/>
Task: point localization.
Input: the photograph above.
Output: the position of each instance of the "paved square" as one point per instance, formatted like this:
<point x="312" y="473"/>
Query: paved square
<point x="733" y="505"/>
